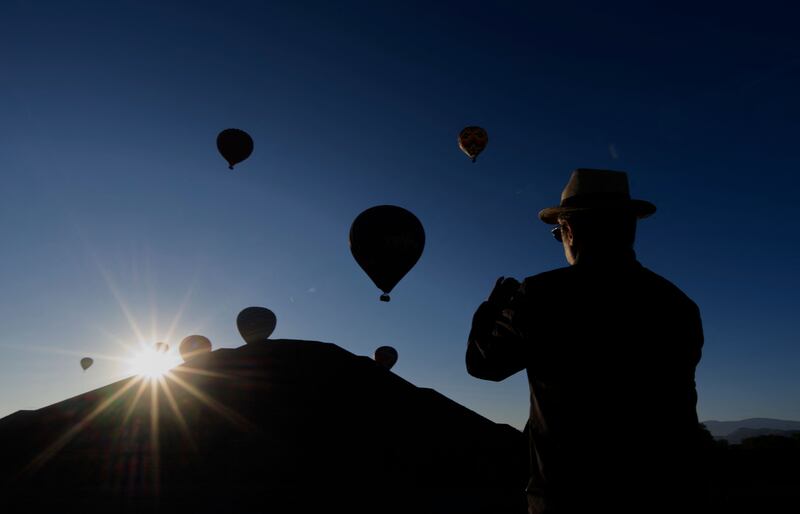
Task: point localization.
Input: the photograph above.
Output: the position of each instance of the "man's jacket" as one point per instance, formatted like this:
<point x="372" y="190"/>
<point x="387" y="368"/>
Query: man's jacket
<point x="610" y="350"/>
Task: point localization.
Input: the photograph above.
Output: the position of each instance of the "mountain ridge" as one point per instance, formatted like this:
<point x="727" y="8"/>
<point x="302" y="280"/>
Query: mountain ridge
<point x="723" y="429"/>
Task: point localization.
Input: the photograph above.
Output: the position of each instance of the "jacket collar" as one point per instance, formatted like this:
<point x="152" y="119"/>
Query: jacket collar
<point x="616" y="259"/>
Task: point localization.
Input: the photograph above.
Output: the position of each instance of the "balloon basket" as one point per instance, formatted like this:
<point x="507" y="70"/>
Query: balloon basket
<point x="385" y="298"/>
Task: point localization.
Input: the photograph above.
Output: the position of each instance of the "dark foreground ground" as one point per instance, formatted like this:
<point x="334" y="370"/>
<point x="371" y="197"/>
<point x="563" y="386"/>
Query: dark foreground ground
<point x="760" y="476"/>
<point x="299" y="426"/>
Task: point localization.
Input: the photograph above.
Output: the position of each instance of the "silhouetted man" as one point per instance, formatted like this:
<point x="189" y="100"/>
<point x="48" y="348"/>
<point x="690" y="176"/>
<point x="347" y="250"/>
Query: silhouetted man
<point x="610" y="350"/>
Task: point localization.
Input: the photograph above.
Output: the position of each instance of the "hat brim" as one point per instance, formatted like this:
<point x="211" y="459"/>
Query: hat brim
<point x="640" y="208"/>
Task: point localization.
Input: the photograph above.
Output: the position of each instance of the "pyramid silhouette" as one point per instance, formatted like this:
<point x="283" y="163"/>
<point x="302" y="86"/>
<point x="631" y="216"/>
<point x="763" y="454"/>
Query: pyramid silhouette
<point x="283" y="426"/>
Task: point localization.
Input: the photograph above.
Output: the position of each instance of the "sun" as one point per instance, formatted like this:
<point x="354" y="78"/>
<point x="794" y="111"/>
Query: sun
<point x="153" y="364"/>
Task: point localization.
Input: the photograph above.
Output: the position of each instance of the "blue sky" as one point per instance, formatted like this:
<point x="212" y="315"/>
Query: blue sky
<point x="117" y="212"/>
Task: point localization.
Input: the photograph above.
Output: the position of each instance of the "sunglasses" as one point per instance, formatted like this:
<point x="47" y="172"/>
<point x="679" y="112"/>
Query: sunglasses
<point x="557" y="233"/>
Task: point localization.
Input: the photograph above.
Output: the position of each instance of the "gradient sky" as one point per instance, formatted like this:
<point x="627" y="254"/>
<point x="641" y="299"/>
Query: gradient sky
<point x="117" y="215"/>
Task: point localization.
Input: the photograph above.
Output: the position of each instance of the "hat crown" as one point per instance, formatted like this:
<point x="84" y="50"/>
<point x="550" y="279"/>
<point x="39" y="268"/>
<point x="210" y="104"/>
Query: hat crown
<point x="590" y="189"/>
<point x="589" y="181"/>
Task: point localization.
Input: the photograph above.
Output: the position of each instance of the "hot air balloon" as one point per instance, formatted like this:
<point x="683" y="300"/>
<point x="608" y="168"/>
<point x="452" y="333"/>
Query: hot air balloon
<point x="256" y="324"/>
<point x="235" y="145"/>
<point x="386" y="241"/>
<point x="194" y="345"/>
<point x="162" y="347"/>
<point x="86" y="362"/>
<point x="472" y="141"/>
<point x="386" y="356"/>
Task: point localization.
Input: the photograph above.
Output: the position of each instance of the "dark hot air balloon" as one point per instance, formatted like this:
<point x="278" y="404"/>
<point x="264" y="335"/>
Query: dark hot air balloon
<point x="472" y="141"/>
<point x="161" y="347"/>
<point x="86" y="362"/>
<point x="386" y="356"/>
<point x="386" y="241"/>
<point x="256" y="324"/>
<point x="194" y="345"/>
<point x="235" y="145"/>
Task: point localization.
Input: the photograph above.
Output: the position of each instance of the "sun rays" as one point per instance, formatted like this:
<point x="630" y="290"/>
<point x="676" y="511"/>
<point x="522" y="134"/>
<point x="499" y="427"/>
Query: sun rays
<point x="157" y="395"/>
<point x="161" y="392"/>
<point x="153" y="364"/>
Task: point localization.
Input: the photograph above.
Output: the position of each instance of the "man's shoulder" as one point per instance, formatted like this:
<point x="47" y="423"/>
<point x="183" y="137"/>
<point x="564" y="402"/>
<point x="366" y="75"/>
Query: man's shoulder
<point x="667" y="286"/>
<point x="554" y="277"/>
<point x="559" y="278"/>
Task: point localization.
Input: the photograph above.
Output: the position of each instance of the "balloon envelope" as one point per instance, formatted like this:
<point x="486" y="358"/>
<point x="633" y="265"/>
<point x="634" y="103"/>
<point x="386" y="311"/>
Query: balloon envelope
<point x="162" y="347"/>
<point x="386" y="241"/>
<point x="472" y="141"/>
<point x="194" y="345"/>
<point x="386" y="356"/>
<point x="86" y="362"/>
<point x="256" y="324"/>
<point x="235" y="145"/>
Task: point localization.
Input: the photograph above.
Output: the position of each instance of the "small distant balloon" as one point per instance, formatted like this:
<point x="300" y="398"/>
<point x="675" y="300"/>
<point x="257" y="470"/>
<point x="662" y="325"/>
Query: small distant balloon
<point x="386" y="356"/>
<point x="194" y="345"/>
<point x="235" y="145"/>
<point x="386" y="241"/>
<point x="86" y="362"/>
<point x="161" y="347"/>
<point x="472" y="141"/>
<point x="256" y="324"/>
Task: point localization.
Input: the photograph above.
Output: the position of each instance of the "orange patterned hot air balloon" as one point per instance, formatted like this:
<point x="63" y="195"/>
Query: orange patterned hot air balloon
<point x="472" y="141"/>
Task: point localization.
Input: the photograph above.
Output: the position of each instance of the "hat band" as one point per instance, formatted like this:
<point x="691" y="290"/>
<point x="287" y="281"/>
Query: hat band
<point x="597" y="200"/>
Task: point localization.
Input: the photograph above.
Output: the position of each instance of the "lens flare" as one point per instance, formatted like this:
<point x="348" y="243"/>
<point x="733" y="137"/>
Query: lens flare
<point x="153" y="364"/>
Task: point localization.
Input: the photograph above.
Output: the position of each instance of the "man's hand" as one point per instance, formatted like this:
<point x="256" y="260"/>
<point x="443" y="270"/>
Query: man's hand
<point x="503" y="290"/>
<point x="495" y="349"/>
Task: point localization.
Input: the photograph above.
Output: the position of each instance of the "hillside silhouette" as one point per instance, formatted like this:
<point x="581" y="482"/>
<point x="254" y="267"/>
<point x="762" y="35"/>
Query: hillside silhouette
<point x="283" y="426"/>
<point x="740" y="435"/>
<point x="723" y="429"/>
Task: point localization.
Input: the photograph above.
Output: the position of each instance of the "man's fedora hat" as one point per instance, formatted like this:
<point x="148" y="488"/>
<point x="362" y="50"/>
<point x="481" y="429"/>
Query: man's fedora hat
<point x="596" y="189"/>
